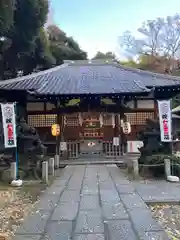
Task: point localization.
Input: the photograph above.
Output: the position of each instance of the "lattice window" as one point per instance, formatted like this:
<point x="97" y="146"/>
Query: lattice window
<point x="131" y="118"/>
<point x="91" y="134"/>
<point x="71" y="120"/>
<point x="139" y="118"/>
<point x="107" y="119"/>
<point x="42" y="120"/>
<point x="50" y="119"/>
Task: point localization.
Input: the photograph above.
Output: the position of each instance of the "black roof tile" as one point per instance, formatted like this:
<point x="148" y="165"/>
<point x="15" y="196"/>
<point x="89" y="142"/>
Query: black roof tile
<point x="90" y="78"/>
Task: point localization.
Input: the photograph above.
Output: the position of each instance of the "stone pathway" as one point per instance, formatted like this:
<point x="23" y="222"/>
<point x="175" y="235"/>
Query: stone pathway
<point x="158" y="191"/>
<point x="94" y="202"/>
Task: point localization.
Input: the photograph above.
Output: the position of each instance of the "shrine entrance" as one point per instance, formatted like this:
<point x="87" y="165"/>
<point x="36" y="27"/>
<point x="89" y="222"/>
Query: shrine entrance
<point x="96" y="135"/>
<point x="91" y="136"/>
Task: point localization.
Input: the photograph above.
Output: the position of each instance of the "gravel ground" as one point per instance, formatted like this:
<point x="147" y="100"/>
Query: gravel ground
<point x="169" y="218"/>
<point x="15" y="205"/>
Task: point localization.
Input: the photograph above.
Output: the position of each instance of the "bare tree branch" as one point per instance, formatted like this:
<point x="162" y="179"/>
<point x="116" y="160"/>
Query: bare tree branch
<point x="160" y="39"/>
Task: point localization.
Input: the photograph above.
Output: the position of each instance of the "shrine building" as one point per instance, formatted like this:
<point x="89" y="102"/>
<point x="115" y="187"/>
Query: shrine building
<point x="90" y="100"/>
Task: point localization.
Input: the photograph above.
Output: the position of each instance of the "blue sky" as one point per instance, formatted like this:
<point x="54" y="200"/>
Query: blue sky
<point x="96" y="24"/>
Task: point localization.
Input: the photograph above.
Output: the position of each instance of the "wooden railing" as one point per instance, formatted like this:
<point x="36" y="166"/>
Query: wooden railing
<point x="111" y="151"/>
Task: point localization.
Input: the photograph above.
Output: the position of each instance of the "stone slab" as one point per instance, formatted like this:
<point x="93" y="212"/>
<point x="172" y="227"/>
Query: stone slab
<point x="114" y="211"/>
<point x="65" y="211"/>
<point x="89" y="190"/>
<point x="109" y="196"/>
<point x="89" y="222"/>
<point x="89" y="237"/>
<point x="121" y="230"/>
<point x="133" y="201"/>
<point x="60" y="183"/>
<point x="89" y="202"/>
<point x="34" y="224"/>
<point x="160" y="235"/>
<point x="158" y="191"/>
<point x="27" y="237"/>
<point x="70" y="196"/>
<point x="59" y="230"/>
<point x="106" y="185"/>
<point x="125" y="189"/>
<point x="47" y="202"/>
<point x="90" y="183"/>
<point x="120" y="180"/>
<point x="143" y="221"/>
<point x="55" y="190"/>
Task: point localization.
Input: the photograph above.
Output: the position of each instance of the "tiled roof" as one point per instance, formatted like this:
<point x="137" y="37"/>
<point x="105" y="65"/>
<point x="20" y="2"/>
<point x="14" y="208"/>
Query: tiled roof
<point x="89" y="78"/>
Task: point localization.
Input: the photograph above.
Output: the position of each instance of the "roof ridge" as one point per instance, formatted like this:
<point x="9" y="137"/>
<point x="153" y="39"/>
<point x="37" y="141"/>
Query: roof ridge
<point x="137" y="82"/>
<point x="18" y="79"/>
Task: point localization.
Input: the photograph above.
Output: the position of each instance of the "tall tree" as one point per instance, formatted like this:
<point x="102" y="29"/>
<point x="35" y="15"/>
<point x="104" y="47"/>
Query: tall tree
<point x="64" y="47"/>
<point x="107" y="55"/>
<point x="6" y="21"/>
<point x="6" y="15"/>
<point x="160" y="40"/>
<point x="41" y="58"/>
<point x="29" y="17"/>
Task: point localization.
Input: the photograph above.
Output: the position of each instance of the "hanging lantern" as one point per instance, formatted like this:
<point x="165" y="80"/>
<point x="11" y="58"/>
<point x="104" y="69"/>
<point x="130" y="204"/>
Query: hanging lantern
<point x="126" y="126"/>
<point x="55" y="130"/>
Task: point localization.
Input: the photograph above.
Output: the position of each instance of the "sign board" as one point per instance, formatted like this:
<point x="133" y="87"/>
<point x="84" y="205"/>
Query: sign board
<point x="132" y="146"/>
<point x="55" y="130"/>
<point x="116" y="141"/>
<point x="91" y="144"/>
<point x="63" y="146"/>
<point x="9" y="125"/>
<point x="164" y="108"/>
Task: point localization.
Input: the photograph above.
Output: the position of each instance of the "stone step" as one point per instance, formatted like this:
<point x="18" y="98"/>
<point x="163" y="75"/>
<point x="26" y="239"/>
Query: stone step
<point x="82" y="162"/>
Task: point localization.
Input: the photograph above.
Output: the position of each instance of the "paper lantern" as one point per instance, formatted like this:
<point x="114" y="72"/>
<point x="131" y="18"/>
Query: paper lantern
<point x="126" y="127"/>
<point x="55" y="130"/>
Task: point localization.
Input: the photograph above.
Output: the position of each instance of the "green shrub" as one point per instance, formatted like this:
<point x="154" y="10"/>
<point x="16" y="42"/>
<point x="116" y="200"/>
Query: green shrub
<point x="155" y="164"/>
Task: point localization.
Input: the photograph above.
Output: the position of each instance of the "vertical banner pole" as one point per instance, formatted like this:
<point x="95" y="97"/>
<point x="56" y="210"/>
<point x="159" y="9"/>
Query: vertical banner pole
<point x="172" y="143"/>
<point x="9" y="128"/>
<point x="17" y="156"/>
<point x="165" y="120"/>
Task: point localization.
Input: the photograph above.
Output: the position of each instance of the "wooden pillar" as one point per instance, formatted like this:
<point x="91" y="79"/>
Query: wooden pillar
<point x="122" y="117"/>
<point x="58" y="122"/>
<point x="155" y="109"/>
<point x="116" y="130"/>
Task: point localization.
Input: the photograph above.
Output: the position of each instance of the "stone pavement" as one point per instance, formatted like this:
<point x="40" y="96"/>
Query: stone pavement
<point x="161" y="191"/>
<point x="93" y="202"/>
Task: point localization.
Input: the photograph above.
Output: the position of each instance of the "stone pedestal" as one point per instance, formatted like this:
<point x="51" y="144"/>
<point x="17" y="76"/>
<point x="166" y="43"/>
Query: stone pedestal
<point x="45" y="171"/>
<point x="135" y="168"/>
<point x="167" y="167"/>
<point x="51" y="166"/>
<point x="56" y="161"/>
<point x="13" y="170"/>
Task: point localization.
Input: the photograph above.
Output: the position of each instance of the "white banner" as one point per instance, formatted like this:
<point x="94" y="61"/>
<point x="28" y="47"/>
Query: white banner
<point x="63" y="146"/>
<point x="132" y="146"/>
<point x="164" y="108"/>
<point x="115" y="141"/>
<point x="9" y="125"/>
